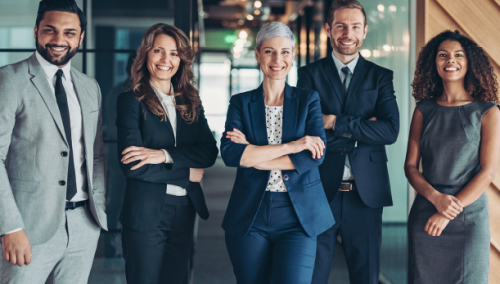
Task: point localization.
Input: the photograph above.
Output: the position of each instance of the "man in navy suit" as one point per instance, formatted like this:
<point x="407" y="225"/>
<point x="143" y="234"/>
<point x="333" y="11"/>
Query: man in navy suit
<point x="360" y="116"/>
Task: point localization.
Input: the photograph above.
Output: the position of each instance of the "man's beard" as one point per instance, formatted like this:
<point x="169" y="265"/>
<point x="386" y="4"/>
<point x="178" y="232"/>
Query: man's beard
<point x="60" y="61"/>
<point x="346" y="51"/>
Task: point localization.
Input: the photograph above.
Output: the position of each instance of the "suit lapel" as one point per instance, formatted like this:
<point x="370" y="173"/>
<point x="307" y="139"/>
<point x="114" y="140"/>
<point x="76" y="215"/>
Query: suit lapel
<point x="290" y="108"/>
<point x="258" y="116"/>
<point x="333" y="76"/>
<point x="39" y="79"/>
<point x="88" y="105"/>
<point x="357" y="77"/>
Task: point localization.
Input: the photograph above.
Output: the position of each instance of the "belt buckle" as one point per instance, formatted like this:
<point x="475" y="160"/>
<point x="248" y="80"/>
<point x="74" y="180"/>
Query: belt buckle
<point x="350" y="186"/>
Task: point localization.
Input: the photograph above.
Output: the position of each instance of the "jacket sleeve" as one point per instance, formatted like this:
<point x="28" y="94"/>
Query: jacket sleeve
<point x="231" y="152"/>
<point x="129" y="134"/>
<point x="201" y="154"/>
<point x="385" y="130"/>
<point x="303" y="161"/>
<point x="10" y="217"/>
<point x="99" y="174"/>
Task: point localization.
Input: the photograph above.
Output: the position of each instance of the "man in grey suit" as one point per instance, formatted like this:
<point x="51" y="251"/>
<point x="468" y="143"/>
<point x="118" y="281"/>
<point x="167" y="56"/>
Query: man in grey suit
<point x="52" y="164"/>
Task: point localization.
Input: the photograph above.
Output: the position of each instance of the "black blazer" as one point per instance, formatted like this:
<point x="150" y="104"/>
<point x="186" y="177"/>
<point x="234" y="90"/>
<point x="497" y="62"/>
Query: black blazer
<point x="370" y="94"/>
<point x="146" y="187"/>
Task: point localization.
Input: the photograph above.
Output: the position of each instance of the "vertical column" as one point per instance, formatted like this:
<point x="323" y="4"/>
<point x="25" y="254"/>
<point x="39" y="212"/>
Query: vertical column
<point x="183" y="16"/>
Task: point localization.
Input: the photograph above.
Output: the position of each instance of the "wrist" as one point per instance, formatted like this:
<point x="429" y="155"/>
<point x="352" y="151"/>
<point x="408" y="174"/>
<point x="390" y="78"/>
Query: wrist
<point x="434" y="196"/>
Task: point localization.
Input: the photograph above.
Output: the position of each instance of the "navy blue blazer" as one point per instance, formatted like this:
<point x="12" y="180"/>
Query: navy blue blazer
<point x="145" y="191"/>
<point x="370" y="94"/>
<point x="301" y="116"/>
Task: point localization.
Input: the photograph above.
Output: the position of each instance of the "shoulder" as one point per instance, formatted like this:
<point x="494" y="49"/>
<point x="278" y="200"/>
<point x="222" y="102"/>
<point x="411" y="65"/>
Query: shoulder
<point x="128" y="97"/>
<point x="14" y="69"/>
<point x="484" y="107"/>
<point x="377" y="69"/>
<point x="312" y="67"/>
<point x="241" y="98"/>
<point x="425" y="105"/>
<point x="306" y="94"/>
<point x="84" y="78"/>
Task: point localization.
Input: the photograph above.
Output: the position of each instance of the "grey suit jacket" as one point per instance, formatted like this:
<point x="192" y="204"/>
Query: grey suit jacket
<point x="32" y="138"/>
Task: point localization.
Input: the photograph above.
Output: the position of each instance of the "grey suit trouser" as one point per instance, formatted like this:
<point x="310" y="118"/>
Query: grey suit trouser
<point x="66" y="258"/>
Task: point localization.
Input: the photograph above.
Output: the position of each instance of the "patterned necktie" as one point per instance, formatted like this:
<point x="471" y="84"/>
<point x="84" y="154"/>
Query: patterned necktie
<point x="346" y="83"/>
<point x="62" y="102"/>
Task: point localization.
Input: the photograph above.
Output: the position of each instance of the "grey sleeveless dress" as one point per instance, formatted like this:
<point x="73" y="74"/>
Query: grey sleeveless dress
<point x="450" y="142"/>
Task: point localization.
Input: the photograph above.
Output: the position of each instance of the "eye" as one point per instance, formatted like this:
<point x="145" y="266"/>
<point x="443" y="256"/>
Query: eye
<point x="268" y="51"/>
<point x="70" y="33"/>
<point x="442" y="55"/>
<point x="286" y="52"/>
<point x="174" y="54"/>
<point x="157" y="51"/>
<point x="459" y="55"/>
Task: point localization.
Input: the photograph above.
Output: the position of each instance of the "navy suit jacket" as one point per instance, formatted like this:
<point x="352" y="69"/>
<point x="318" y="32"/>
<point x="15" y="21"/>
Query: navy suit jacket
<point x="301" y="116"/>
<point x="370" y="94"/>
<point x="146" y="187"/>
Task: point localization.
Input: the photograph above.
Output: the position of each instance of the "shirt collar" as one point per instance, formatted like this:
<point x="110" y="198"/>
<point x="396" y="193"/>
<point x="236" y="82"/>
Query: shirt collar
<point x="51" y="69"/>
<point x="162" y="96"/>
<point x="351" y="65"/>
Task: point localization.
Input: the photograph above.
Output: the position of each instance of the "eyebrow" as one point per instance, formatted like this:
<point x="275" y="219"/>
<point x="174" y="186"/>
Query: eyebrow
<point x="52" y="27"/>
<point x="273" y="47"/>
<point x="442" y="50"/>
<point x="354" y="24"/>
<point x="164" y="48"/>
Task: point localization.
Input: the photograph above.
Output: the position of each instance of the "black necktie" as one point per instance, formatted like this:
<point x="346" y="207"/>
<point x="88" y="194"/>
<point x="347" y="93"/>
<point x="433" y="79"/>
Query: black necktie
<point x="347" y="79"/>
<point x="62" y="102"/>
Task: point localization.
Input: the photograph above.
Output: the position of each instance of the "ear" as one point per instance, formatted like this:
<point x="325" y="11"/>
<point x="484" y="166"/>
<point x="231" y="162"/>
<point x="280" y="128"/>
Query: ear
<point x="257" y="55"/>
<point x="327" y="29"/>
<point x="366" y="31"/>
<point x="81" y="38"/>
<point x="35" y="32"/>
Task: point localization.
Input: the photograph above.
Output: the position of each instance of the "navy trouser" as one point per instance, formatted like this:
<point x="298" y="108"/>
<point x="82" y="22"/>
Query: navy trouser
<point x="276" y="249"/>
<point x="360" y="228"/>
<point x="161" y="255"/>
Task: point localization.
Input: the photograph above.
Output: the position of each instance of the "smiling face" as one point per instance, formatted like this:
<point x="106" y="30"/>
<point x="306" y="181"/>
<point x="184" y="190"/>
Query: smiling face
<point x="163" y="60"/>
<point x="58" y="37"/>
<point x="347" y="32"/>
<point x="275" y="57"/>
<point x="451" y="61"/>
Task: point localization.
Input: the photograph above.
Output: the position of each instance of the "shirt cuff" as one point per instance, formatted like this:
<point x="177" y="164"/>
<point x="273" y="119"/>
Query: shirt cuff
<point x="168" y="158"/>
<point x="13" y="231"/>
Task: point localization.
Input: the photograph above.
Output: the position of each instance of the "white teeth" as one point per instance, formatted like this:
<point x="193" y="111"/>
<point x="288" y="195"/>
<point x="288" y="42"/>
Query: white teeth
<point x="163" y="68"/>
<point x="277" y="69"/>
<point x="58" y="48"/>
<point x="451" y="69"/>
<point x="347" y="43"/>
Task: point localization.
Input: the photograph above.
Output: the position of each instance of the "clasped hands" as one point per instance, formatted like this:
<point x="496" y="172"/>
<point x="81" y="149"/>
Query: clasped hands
<point x="153" y="157"/>
<point x="312" y="143"/>
<point x="448" y="207"/>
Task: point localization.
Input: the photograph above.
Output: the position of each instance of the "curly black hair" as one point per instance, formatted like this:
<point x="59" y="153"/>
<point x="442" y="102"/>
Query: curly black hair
<point x="480" y="80"/>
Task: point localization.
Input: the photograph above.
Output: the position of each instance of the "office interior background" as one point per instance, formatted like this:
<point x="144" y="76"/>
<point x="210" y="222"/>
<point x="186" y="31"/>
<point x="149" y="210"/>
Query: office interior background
<point x="223" y="35"/>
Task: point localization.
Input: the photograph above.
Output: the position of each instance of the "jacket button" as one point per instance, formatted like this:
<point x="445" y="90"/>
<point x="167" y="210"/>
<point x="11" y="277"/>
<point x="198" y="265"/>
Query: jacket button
<point x="62" y="182"/>
<point x="285" y="177"/>
<point x="64" y="154"/>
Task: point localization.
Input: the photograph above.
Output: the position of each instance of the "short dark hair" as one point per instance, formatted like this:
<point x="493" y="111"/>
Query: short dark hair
<point x="61" y="6"/>
<point x="344" y="4"/>
<point x="480" y="80"/>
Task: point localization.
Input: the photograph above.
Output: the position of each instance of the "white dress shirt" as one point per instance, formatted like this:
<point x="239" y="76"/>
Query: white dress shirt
<point x="274" y="123"/>
<point x="168" y="104"/>
<point x="75" y="115"/>
<point x="348" y="175"/>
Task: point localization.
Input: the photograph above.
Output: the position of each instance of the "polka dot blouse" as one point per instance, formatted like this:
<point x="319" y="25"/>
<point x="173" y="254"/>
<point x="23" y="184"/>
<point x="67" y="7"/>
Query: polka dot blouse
<point x="274" y="121"/>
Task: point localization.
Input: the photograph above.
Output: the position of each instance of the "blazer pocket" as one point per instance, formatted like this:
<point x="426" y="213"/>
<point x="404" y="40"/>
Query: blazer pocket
<point x="378" y="156"/>
<point x="316" y="182"/>
<point x="21" y="185"/>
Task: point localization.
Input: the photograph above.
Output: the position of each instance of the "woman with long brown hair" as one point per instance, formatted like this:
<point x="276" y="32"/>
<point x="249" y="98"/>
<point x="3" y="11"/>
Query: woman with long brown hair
<point x="164" y="143"/>
<point x="455" y="135"/>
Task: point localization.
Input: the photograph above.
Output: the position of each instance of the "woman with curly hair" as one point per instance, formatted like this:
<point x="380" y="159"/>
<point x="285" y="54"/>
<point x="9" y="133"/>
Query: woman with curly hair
<point x="165" y="142"/>
<point x="456" y="132"/>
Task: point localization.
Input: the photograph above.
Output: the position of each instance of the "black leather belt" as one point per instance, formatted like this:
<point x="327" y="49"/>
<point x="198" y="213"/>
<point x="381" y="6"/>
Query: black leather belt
<point x="73" y="205"/>
<point x="348" y="185"/>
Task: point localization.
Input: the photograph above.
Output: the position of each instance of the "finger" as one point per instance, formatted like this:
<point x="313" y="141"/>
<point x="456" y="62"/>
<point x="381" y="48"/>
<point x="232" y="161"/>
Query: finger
<point x="131" y="154"/>
<point x="319" y="151"/>
<point x="457" y="204"/>
<point x="438" y="232"/>
<point x="13" y="258"/>
<point x="131" y="148"/>
<point x="435" y="230"/>
<point x="448" y="216"/>
<point x="313" y="150"/>
<point x="427" y="226"/>
<point x="6" y="255"/>
<point x="142" y="163"/>
<point x="27" y="257"/>
<point x="453" y="212"/>
<point x="135" y="158"/>
<point x="20" y="260"/>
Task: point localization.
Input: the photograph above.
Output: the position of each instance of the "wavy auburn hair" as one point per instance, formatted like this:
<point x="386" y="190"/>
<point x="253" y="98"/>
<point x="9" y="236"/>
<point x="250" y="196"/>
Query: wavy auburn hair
<point x="187" y="99"/>
<point x="480" y="81"/>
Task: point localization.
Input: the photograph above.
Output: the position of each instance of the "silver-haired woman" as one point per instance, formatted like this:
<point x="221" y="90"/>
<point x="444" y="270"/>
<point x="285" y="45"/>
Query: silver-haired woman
<point x="275" y="137"/>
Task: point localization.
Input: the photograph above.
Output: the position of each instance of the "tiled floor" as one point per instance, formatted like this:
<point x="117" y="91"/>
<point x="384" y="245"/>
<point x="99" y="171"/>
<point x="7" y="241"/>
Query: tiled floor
<point x="211" y="262"/>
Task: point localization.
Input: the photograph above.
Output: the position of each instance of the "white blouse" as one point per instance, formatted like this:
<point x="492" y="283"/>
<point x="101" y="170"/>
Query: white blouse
<point x="274" y="121"/>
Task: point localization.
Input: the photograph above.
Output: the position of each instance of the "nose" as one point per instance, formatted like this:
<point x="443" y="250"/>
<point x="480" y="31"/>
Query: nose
<point x="58" y="39"/>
